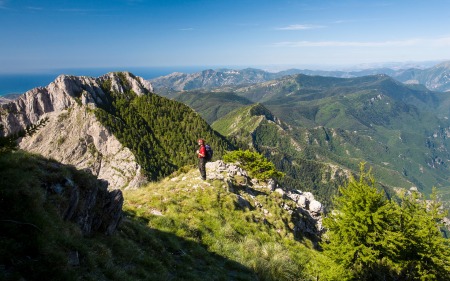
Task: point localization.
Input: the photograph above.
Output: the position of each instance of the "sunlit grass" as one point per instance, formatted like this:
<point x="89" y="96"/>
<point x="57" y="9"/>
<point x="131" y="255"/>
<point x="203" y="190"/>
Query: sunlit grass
<point x="205" y="212"/>
<point x="181" y="228"/>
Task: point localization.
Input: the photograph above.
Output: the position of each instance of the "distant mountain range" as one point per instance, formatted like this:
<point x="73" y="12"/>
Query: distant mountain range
<point x="436" y="78"/>
<point x="318" y="129"/>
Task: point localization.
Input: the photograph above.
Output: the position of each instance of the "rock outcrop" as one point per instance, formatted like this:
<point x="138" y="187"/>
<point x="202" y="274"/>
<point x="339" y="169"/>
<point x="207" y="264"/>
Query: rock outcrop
<point x="72" y="134"/>
<point x="93" y="208"/>
<point x="306" y="215"/>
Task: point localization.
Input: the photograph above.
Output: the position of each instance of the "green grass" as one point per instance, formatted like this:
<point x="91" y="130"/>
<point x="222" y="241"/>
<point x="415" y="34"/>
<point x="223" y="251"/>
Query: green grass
<point x="36" y="243"/>
<point x="208" y="214"/>
<point x="180" y="228"/>
<point x="241" y="119"/>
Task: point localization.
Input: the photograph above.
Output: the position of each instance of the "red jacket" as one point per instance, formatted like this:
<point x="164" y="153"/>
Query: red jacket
<point x="202" y="152"/>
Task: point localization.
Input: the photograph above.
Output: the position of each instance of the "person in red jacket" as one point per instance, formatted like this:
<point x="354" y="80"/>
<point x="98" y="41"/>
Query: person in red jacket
<point x="201" y="154"/>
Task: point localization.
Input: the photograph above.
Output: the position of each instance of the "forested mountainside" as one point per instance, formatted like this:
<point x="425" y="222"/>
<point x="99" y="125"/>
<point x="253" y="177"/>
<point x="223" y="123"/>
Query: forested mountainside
<point x="212" y="105"/>
<point x="161" y="133"/>
<point x="112" y="125"/>
<point x="293" y="150"/>
<point x="436" y="78"/>
<point x="401" y="131"/>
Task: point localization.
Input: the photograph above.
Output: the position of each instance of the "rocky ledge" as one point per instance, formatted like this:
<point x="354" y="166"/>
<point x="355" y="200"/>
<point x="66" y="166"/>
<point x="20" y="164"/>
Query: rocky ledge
<point x="305" y="211"/>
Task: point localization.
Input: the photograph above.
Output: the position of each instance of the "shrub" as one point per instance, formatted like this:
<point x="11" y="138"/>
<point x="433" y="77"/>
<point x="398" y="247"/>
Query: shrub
<point x="254" y="163"/>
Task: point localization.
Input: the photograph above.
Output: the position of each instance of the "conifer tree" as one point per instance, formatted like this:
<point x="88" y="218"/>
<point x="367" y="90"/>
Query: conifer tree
<point x="360" y="237"/>
<point x="426" y="252"/>
<point x="379" y="239"/>
<point x="258" y="166"/>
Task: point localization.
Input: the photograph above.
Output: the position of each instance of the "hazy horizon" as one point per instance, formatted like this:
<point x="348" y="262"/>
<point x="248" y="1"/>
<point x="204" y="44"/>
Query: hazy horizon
<point x="18" y="83"/>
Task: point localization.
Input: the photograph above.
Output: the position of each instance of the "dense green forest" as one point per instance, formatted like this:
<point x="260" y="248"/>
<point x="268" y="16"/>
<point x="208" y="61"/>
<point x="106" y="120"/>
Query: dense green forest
<point x="292" y="150"/>
<point x="160" y="132"/>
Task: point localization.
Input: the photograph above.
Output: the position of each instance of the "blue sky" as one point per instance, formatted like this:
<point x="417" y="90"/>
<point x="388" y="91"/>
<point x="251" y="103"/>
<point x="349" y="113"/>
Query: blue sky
<point x="38" y="35"/>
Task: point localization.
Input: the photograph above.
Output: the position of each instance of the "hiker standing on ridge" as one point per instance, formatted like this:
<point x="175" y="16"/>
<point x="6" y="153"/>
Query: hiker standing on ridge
<point x="201" y="154"/>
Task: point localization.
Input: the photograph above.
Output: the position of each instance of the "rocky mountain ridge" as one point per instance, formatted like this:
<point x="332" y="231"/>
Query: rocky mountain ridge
<point x="42" y="193"/>
<point x="436" y="78"/>
<point x="208" y="79"/>
<point x="77" y="137"/>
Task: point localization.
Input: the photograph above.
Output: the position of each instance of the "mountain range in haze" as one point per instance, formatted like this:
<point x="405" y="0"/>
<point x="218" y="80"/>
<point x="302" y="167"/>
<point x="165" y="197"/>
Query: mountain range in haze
<point x="436" y="78"/>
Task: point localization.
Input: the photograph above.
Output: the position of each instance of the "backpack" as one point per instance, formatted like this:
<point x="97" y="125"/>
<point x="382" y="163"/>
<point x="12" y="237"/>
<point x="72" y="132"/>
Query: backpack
<point x="209" y="152"/>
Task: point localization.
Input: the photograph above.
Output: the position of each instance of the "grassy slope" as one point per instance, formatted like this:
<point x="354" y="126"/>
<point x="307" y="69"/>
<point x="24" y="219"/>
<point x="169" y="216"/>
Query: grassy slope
<point x="208" y="214"/>
<point x="178" y="229"/>
<point x="212" y="106"/>
<point x="36" y="243"/>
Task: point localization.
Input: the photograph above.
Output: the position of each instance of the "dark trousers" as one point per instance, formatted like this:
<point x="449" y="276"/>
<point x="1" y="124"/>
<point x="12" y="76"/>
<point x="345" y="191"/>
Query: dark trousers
<point x="201" y="167"/>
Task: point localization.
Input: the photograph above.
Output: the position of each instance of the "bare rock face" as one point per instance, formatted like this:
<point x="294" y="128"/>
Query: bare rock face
<point x="77" y="138"/>
<point x="83" y="200"/>
<point x="72" y="134"/>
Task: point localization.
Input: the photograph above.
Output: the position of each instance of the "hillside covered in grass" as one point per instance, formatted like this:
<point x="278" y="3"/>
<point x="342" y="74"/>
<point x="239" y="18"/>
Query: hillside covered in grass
<point x="181" y="228"/>
<point x="229" y="227"/>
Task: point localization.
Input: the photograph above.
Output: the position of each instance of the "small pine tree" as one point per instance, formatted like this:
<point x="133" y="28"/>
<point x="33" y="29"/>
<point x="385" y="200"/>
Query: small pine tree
<point x="426" y="253"/>
<point x="378" y="239"/>
<point x="359" y="228"/>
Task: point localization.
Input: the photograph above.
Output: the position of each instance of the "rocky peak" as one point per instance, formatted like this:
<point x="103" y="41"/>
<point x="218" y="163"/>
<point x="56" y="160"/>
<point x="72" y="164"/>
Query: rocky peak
<point x="72" y="134"/>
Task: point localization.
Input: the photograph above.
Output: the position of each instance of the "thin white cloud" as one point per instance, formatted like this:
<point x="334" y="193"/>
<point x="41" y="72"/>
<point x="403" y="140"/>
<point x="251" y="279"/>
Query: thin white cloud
<point x="300" y="27"/>
<point x="345" y="21"/>
<point x="400" y="43"/>
<point x="2" y="4"/>
<point x="441" y="42"/>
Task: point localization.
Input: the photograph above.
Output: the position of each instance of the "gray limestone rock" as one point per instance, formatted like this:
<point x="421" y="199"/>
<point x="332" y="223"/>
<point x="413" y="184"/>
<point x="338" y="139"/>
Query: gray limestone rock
<point x="72" y="134"/>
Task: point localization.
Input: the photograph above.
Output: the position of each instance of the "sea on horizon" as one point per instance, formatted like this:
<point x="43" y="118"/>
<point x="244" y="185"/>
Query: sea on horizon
<point x="13" y="84"/>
